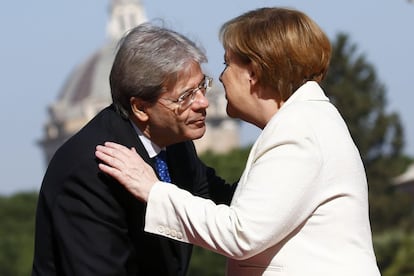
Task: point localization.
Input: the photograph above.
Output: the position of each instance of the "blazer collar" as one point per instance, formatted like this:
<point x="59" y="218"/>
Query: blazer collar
<point x="310" y="91"/>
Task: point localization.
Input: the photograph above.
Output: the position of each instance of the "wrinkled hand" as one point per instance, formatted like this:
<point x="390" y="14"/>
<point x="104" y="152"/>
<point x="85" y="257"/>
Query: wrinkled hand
<point x="127" y="167"/>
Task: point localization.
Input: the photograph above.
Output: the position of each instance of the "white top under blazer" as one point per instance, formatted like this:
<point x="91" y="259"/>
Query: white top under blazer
<point x="300" y="207"/>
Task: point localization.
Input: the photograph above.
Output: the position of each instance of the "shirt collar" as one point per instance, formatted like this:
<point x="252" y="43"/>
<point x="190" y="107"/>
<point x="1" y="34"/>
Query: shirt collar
<point x="151" y="148"/>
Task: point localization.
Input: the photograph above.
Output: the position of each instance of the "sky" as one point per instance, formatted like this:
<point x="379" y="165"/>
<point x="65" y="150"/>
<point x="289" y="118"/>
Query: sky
<point x="43" y="41"/>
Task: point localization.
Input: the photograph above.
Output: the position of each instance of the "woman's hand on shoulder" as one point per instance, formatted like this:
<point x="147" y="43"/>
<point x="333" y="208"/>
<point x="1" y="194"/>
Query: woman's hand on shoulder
<point x="128" y="168"/>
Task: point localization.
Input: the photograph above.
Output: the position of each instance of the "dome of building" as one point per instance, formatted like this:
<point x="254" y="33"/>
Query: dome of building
<point x="86" y="91"/>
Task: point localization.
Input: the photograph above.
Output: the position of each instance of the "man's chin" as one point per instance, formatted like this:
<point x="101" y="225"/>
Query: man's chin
<point x="198" y="133"/>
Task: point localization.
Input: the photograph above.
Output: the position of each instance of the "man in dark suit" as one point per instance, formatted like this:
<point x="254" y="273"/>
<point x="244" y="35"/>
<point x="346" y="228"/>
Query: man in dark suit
<point x="86" y="222"/>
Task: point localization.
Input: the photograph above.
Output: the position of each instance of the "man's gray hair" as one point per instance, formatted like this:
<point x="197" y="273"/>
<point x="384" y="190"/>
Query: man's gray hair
<point x="149" y="58"/>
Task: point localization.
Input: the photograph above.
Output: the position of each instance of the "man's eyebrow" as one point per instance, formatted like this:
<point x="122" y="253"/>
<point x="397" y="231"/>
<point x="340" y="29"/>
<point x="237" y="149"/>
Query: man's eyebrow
<point x="194" y="87"/>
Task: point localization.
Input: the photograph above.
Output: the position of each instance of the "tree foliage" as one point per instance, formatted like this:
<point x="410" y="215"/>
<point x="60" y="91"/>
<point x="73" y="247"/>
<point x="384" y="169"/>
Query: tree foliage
<point x="17" y="218"/>
<point x="353" y="87"/>
<point x="229" y="166"/>
<point x="395" y="252"/>
<point x="206" y="263"/>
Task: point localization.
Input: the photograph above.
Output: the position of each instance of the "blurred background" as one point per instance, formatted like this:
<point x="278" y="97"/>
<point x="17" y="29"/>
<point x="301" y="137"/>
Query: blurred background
<point x="55" y="59"/>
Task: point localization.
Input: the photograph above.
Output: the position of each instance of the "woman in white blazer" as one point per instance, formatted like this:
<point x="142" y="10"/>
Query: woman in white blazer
<point x="301" y="205"/>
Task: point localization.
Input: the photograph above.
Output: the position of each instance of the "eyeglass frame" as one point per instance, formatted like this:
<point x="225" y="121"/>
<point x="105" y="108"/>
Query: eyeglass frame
<point x="205" y="85"/>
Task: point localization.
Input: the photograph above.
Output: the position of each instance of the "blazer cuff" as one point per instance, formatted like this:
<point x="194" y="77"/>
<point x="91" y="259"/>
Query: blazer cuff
<point x="160" y="217"/>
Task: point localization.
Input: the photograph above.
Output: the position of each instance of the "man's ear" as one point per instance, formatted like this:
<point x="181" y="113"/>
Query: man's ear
<point x="138" y="108"/>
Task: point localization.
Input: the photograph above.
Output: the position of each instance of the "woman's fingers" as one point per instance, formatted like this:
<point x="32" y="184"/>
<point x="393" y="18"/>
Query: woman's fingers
<point x="117" y="148"/>
<point x="114" y="145"/>
<point x="109" y="157"/>
<point x="127" y="167"/>
<point x="113" y="172"/>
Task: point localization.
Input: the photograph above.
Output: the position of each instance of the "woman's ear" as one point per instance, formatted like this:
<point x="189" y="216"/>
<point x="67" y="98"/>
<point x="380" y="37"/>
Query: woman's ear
<point x="138" y="108"/>
<point x="252" y="74"/>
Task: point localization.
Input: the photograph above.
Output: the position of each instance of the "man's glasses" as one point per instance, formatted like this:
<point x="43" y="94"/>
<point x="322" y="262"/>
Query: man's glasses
<point x="187" y="98"/>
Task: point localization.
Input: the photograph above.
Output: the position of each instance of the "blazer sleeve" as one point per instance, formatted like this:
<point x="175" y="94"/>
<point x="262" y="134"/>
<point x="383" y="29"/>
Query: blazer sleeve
<point x="90" y="227"/>
<point x="273" y="197"/>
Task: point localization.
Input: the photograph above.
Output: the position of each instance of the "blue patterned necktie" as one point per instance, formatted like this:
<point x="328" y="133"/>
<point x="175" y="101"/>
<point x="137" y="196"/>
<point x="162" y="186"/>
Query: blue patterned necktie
<point x="161" y="166"/>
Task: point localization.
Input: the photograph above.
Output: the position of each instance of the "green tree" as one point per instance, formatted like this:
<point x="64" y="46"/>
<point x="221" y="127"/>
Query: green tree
<point x="206" y="263"/>
<point x="229" y="165"/>
<point x="353" y="87"/>
<point x="17" y="218"/>
<point x="395" y="252"/>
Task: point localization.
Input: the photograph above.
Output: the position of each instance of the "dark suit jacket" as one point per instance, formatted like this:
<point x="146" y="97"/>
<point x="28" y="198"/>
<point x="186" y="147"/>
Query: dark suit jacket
<point x="88" y="224"/>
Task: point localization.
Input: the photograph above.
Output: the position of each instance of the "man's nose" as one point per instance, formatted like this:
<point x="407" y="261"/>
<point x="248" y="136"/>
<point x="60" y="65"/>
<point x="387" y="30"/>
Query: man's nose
<point x="200" y="99"/>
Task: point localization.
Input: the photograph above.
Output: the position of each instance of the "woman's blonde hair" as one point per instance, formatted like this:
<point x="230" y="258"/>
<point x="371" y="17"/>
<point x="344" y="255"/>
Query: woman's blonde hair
<point x="285" y="47"/>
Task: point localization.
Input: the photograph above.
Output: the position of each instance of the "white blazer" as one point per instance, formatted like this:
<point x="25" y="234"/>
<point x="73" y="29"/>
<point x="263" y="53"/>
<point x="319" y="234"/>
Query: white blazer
<point x="300" y="208"/>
